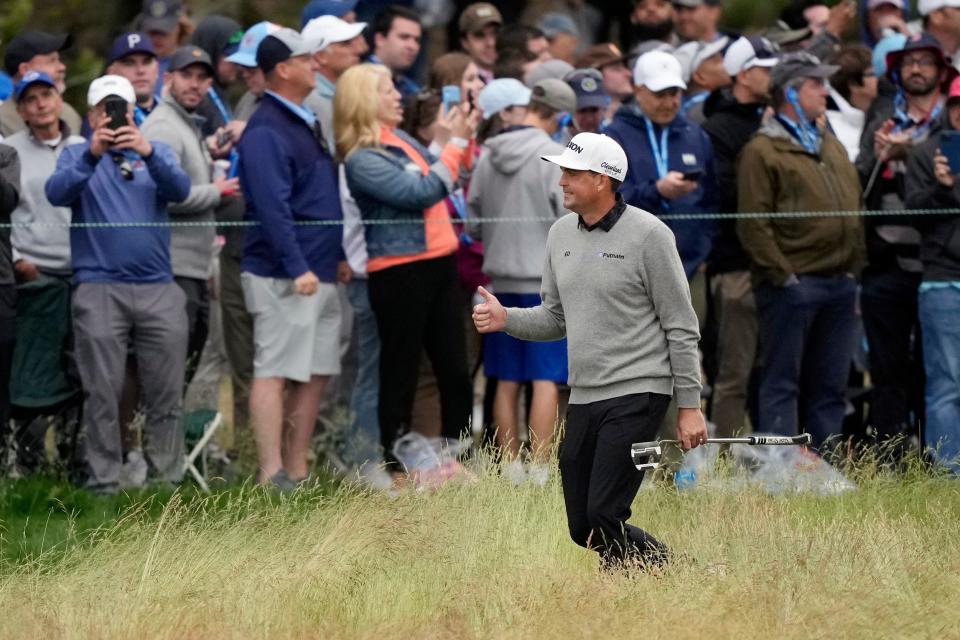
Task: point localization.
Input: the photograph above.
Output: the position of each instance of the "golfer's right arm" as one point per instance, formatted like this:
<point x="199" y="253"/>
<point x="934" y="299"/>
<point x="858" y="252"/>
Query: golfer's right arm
<point x="543" y="323"/>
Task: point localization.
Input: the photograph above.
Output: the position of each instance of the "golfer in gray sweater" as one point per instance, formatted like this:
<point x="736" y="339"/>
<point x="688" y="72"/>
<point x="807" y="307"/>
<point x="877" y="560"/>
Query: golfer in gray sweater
<point x="622" y="300"/>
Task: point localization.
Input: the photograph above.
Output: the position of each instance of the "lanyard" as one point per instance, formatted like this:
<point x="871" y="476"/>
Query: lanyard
<point x="809" y="140"/>
<point x="218" y="103"/>
<point x="661" y="153"/>
<point x="904" y="121"/>
<point x="459" y="203"/>
<point x="227" y="117"/>
<point x="140" y="114"/>
<point x="692" y="101"/>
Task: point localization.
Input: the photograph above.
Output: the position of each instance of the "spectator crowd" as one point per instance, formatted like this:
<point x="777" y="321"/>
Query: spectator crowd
<point x="321" y="203"/>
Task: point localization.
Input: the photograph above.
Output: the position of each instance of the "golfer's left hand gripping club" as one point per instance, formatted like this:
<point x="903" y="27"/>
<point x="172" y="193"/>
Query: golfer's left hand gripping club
<point x="646" y="455"/>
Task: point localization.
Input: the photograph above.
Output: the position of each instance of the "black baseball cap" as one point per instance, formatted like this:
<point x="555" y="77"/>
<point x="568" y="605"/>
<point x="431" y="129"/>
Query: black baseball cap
<point x="189" y="55"/>
<point x="161" y="15"/>
<point x="28" y="44"/>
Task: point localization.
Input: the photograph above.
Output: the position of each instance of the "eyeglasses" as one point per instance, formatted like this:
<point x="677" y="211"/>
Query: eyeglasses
<point x="924" y="62"/>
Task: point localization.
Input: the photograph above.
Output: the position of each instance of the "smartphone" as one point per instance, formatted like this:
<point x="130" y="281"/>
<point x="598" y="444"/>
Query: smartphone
<point x="224" y="138"/>
<point x="950" y="147"/>
<point x="693" y="175"/>
<point x="116" y="109"/>
<point x="450" y="95"/>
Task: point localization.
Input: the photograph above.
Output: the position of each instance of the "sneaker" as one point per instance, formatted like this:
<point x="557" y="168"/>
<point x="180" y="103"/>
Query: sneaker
<point x="133" y="473"/>
<point x="281" y="482"/>
<point x="373" y="475"/>
<point x="515" y="472"/>
<point x="538" y="474"/>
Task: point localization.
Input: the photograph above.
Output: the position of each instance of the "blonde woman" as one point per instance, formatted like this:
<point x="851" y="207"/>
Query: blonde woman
<point x="411" y="266"/>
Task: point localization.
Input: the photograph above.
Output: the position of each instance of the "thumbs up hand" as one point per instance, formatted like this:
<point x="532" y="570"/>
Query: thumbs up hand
<point x="489" y="316"/>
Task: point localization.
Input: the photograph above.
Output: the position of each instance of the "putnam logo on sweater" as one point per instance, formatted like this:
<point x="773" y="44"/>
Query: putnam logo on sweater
<point x="612" y="256"/>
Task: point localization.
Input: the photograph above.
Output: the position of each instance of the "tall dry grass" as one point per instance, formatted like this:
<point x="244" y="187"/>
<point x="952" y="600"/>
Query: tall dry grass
<point x="490" y="560"/>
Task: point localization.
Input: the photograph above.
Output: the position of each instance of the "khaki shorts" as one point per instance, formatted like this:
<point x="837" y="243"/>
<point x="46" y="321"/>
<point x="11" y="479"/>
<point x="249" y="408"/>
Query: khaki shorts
<point x="295" y="337"/>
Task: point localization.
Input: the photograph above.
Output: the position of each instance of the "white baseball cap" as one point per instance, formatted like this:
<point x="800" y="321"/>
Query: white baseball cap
<point x="106" y="86"/>
<point x="692" y="54"/>
<point x="658" y="70"/>
<point x="502" y="93"/>
<point x="331" y="29"/>
<point x="926" y="7"/>
<point x="748" y="52"/>
<point x="593" y="152"/>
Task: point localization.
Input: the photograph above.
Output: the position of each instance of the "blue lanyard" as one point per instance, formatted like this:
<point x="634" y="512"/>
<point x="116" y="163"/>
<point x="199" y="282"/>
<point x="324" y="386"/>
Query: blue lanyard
<point x="459" y="203"/>
<point x="810" y="141"/>
<point x="904" y="121"/>
<point x="218" y="103"/>
<point x="227" y="117"/>
<point x="661" y="153"/>
<point x="806" y="131"/>
<point x="693" y="100"/>
<point x="140" y="114"/>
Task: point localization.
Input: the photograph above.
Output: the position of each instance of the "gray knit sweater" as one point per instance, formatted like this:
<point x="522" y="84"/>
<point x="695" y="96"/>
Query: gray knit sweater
<point x="622" y="300"/>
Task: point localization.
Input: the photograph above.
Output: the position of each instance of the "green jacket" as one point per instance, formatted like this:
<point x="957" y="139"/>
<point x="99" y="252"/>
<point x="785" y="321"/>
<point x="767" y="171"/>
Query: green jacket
<point x="777" y="174"/>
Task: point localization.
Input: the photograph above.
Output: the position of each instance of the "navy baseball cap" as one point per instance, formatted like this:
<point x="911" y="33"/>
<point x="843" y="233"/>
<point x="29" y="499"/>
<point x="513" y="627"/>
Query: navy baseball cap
<point x="588" y="85"/>
<point x="30" y="79"/>
<point x="127" y="43"/>
<point x="161" y="15"/>
<point x="317" y="8"/>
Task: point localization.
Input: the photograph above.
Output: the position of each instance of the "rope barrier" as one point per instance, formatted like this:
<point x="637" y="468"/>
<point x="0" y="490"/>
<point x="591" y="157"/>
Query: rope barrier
<point x="776" y="215"/>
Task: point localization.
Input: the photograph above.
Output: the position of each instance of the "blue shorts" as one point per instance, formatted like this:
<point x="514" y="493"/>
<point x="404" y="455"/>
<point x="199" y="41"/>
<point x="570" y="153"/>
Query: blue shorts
<point x="507" y="358"/>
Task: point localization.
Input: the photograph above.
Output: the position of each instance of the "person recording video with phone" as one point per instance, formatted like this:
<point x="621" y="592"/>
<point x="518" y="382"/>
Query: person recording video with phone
<point x="124" y="282"/>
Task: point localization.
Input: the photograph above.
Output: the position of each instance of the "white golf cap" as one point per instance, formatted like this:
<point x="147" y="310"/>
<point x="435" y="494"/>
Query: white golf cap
<point x="748" y="52"/>
<point x="658" y="70"/>
<point x="500" y="94"/>
<point x="692" y="54"/>
<point x="593" y="152"/>
<point x="331" y="29"/>
<point x="926" y="7"/>
<point x="106" y="86"/>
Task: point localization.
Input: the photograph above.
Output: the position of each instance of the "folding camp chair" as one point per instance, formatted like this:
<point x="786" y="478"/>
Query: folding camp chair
<point x="200" y="427"/>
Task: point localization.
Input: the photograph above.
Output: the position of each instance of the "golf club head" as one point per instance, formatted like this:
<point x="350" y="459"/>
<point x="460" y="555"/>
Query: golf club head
<point x="646" y="455"/>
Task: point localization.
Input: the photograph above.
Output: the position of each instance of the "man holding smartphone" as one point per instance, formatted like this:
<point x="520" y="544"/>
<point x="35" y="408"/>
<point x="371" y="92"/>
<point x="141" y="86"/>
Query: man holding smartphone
<point x="124" y="282"/>
<point x="671" y="159"/>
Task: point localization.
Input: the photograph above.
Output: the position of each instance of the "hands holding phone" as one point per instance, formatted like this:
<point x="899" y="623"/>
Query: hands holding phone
<point x="107" y="136"/>
<point x="676" y="185"/>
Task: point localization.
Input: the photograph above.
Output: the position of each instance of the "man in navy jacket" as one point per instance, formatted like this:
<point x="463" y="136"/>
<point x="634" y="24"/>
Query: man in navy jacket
<point x="124" y="284"/>
<point x="290" y="270"/>
<point x="671" y="159"/>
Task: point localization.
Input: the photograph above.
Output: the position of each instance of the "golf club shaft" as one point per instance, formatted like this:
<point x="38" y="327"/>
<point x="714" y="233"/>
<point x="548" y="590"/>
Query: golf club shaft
<point x="803" y="438"/>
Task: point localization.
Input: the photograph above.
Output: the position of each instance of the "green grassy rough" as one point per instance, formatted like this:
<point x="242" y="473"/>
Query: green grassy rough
<point x="478" y="561"/>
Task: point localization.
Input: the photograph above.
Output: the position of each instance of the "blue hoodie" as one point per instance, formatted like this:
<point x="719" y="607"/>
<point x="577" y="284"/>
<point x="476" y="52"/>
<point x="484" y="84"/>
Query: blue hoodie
<point x="97" y="192"/>
<point x="689" y="149"/>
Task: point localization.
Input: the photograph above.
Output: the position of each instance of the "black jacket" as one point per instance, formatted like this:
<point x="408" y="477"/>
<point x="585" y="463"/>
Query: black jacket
<point x="9" y="198"/>
<point x="730" y="126"/>
<point x="891" y="240"/>
<point x="940" y="244"/>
